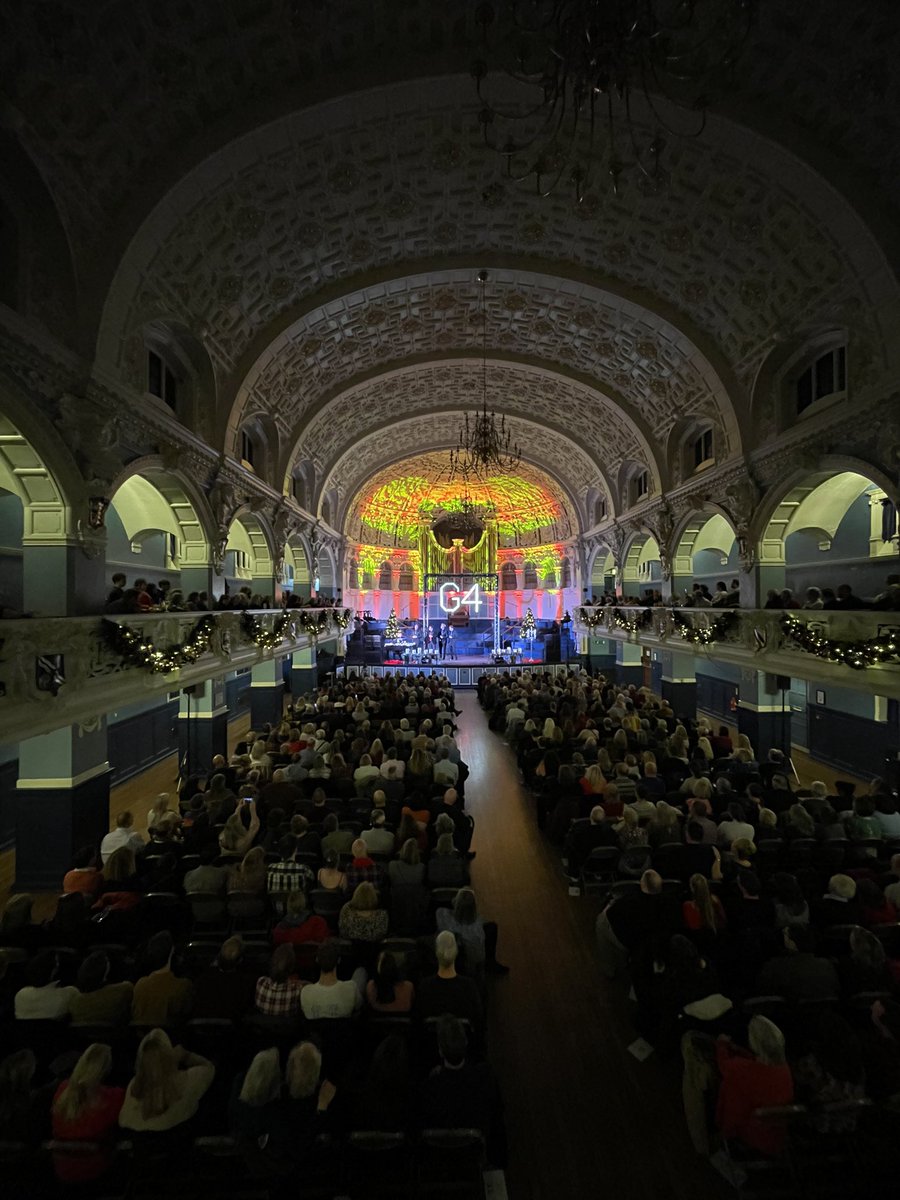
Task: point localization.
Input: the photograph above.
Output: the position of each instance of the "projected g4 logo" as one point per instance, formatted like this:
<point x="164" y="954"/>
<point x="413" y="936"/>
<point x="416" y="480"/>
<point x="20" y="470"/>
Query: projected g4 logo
<point x="451" y="599"/>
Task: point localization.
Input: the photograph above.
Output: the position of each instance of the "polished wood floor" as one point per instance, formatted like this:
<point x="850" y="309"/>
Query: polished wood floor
<point x="585" y="1118"/>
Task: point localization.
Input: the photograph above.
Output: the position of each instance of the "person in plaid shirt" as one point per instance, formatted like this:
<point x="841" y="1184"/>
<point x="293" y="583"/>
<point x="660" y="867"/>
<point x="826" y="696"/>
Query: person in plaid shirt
<point x="277" y="994"/>
<point x="287" y="875"/>
<point x="363" y="869"/>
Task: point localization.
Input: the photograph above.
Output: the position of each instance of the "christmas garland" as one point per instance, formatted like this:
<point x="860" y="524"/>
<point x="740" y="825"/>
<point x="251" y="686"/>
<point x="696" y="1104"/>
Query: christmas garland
<point x="138" y="651"/>
<point x="858" y="655"/>
<point x="130" y="644"/>
<point x="702" y="635"/>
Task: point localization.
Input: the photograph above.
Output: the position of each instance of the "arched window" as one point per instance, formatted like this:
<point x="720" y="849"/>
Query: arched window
<point x="640" y="486"/>
<point x="407" y="578"/>
<point x="353" y="574"/>
<point x="252" y="447"/>
<point x="508" y="577"/>
<point x="702" y="450"/>
<point x="163" y="378"/>
<point x="384" y="577"/>
<point x="823" y="378"/>
<point x="529" y="578"/>
<point x="600" y="509"/>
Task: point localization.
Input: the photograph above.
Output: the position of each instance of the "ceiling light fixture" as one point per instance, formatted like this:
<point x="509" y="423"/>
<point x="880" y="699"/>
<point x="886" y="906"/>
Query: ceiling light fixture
<point x="485" y="445"/>
<point x="589" y="59"/>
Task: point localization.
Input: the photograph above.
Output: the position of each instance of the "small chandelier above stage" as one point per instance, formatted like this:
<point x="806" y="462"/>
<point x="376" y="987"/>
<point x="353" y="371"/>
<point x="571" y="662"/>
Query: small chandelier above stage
<point x="485" y="445"/>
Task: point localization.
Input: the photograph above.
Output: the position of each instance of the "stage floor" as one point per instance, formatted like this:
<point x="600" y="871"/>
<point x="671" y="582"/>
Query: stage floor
<point x="463" y="660"/>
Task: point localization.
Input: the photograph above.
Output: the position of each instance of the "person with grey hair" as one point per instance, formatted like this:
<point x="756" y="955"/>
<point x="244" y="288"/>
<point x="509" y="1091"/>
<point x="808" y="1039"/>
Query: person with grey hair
<point x="477" y="937"/>
<point x="446" y="991"/>
<point x="253" y="1107"/>
<point x="839" y="905"/>
<point x="633" y="919"/>
<point x="446" y="866"/>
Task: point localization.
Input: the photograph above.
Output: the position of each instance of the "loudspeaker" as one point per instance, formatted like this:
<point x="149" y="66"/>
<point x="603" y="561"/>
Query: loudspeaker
<point x="770" y="684"/>
<point x="783" y="683"/>
<point x="192" y="690"/>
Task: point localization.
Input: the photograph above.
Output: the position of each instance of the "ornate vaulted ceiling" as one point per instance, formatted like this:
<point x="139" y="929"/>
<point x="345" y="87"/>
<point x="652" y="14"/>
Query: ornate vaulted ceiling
<point x="300" y="186"/>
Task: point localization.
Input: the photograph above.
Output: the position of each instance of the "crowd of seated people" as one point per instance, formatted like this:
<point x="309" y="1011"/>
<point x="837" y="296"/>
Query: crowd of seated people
<point x="729" y="893"/>
<point x="146" y="596"/>
<point x="284" y="953"/>
<point x="728" y="595"/>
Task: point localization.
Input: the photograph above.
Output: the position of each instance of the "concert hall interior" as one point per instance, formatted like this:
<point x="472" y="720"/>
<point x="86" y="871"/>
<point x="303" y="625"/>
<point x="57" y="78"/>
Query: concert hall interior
<point x="528" y="367"/>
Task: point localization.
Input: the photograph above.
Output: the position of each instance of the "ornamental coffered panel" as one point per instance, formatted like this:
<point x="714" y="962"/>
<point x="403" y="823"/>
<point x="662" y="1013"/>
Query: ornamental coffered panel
<point x="556" y="454"/>
<point x="641" y="360"/>
<point x="740" y="243"/>
<point x="432" y="391"/>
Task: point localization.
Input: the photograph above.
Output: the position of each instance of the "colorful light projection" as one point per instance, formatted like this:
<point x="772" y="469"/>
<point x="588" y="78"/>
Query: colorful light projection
<point x="518" y="505"/>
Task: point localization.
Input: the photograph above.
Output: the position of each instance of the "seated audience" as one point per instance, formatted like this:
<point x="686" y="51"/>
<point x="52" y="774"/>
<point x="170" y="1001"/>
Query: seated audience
<point x="299" y="924"/>
<point x="123" y="835"/>
<point x="330" y="997"/>
<point x="169" y="1083"/>
<point x="448" y="992"/>
<point x="86" y="1109"/>
<point x="386" y="991"/>
<point x="97" y="1001"/>
<point x="160" y="997"/>
<point x="42" y="998"/>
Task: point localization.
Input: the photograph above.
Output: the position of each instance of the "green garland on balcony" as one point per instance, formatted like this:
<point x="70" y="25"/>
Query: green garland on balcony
<point x="865" y="653"/>
<point x="138" y="651"/>
<point x="703" y="635"/>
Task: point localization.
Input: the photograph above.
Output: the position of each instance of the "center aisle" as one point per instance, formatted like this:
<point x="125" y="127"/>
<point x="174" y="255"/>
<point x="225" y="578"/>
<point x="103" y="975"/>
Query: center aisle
<point x="584" y="1118"/>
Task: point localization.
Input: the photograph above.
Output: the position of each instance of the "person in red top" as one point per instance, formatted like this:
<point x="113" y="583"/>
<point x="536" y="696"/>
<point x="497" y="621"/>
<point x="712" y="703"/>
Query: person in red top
<point x="85" y="1109"/>
<point x="612" y="804"/>
<point x="752" y="1079"/>
<point x="299" y="924"/>
<point x="85" y="876"/>
<point x="703" y="910"/>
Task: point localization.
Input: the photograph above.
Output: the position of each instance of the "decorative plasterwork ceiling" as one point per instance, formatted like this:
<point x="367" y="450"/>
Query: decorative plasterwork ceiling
<point x="107" y="94"/>
<point x="645" y="374"/>
<point x="550" y="459"/>
<point x="524" y="502"/>
<point x="600" y="439"/>
<point x="745" y="247"/>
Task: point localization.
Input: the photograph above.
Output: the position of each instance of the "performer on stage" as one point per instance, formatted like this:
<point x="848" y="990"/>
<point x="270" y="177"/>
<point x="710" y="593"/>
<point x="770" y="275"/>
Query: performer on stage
<point x="442" y="639"/>
<point x="449" y="647"/>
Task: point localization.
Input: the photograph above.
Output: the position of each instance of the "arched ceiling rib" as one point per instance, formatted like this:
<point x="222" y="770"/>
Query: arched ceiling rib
<point x="644" y="366"/>
<point x="744" y="243"/>
<point x="555" y="456"/>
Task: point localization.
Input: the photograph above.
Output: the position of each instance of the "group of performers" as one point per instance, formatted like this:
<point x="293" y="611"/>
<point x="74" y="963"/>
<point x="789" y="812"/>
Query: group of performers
<point x="427" y="645"/>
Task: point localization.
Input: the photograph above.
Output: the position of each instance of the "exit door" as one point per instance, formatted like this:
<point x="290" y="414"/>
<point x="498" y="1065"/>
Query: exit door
<point x="797" y="698"/>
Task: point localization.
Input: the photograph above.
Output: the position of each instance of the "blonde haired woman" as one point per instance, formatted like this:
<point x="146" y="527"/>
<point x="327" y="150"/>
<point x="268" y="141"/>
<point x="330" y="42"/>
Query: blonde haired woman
<point x="169" y="1083"/>
<point x="260" y="758"/>
<point x="593" y="781"/>
<point x="361" y="919"/>
<point x="250" y="874"/>
<point x="237" y="838"/>
<point x="665" y="826"/>
<point x="704" y="747"/>
<point x="255" y="1095"/>
<point x="86" y="1109"/>
<point x="159" y="809"/>
<point x="704" y="911"/>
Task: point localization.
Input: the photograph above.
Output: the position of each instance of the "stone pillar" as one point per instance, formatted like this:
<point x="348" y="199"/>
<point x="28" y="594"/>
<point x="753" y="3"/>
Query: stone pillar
<point x="764" y="712"/>
<point x="202" y="724"/>
<point x="62" y="802"/>
<point x="268" y="587"/>
<point x="60" y="580"/>
<point x="266" y="693"/>
<point x="679" y="683"/>
<point x="629" y="668"/>
<point x="599" y="655"/>
<point x="201" y="579"/>
<point x="756" y="582"/>
<point x="304" y="673"/>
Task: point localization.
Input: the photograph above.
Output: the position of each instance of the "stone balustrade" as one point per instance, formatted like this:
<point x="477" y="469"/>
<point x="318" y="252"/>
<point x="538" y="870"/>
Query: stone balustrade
<point x="857" y="647"/>
<point x="60" y="670"/>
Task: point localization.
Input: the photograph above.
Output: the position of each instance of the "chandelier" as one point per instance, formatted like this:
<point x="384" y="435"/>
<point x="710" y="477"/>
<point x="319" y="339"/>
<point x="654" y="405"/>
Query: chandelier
<point x="589" y="60"/>
<point x="485" y="444"/>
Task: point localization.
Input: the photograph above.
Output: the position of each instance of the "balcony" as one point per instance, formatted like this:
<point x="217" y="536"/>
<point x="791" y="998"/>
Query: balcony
<point x="859" y="649"/>
<point x="60" y="670"/>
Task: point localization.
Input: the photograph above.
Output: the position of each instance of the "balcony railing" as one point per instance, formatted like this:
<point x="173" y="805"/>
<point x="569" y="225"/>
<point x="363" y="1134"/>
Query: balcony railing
<point x="58" y="670"/>
<point x="858" y="644"/>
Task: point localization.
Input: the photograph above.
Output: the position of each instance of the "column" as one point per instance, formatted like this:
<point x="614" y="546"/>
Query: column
<point x="629" y="668"/>
<point x="268" y="587"/>
<point x="679" y="683"/>
<point x="764" y="711"/>
<point x="304" y="673"/>
<point x="202" y="724"/>
<point x="60" y="580"/>
<point x="599" y="654"/>
<point x="62" y="801"/>
<point x="266" y="693"/>
<point x="201" y="579"/>
<point x="756" y="582"/>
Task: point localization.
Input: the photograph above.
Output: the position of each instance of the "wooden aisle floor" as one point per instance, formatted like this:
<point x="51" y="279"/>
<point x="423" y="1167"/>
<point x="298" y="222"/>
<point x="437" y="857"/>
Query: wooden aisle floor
<point x="584" y="1118"/>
